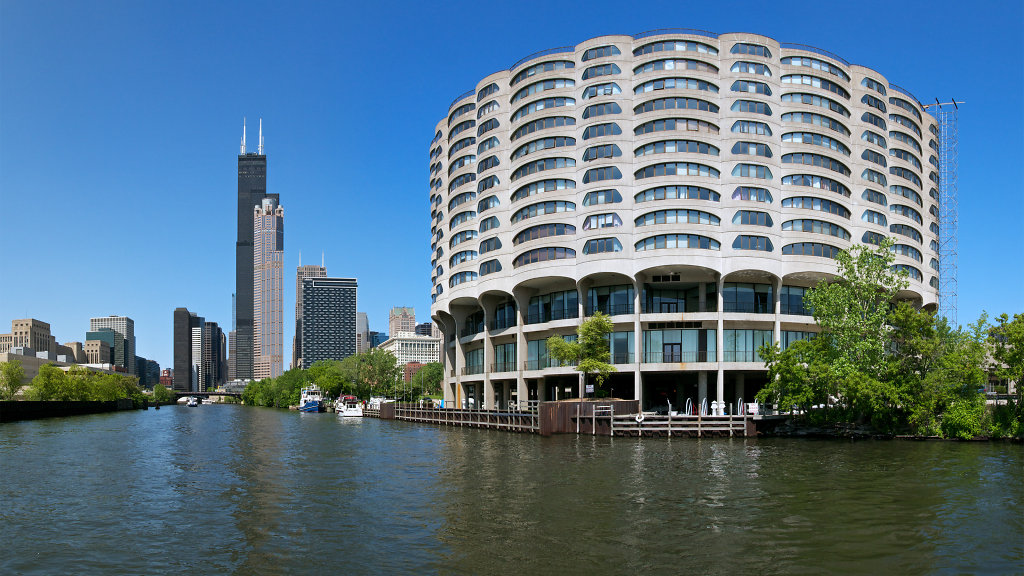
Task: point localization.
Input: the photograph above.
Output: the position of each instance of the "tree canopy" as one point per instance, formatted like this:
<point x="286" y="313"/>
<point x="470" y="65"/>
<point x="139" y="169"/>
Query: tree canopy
<point x="11" y="377"/>
<point x="589" y="352"/>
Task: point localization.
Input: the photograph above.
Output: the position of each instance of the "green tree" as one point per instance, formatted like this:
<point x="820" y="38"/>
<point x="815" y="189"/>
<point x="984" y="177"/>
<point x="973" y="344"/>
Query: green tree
<point x="1007" y="341"/>
<point x="49" y="384"/>
<point x="428" y="378"/>
<point x="328" y="375"/>
<point x="589" y="351"/>
<point x="11" y="376"/>
<point x="379" y="373"/>
<point x="161" y="394"/>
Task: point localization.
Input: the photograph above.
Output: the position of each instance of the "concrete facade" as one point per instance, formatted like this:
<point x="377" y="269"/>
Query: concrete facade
<point x="29" y="333"/>
<point x="302" y="272"/>
<point x="401" y="319"/>
<point x="124" y="326"/>
<point x="268" y="289"/>
<point x="411" y="347"/>
<point x="692" y="185"/>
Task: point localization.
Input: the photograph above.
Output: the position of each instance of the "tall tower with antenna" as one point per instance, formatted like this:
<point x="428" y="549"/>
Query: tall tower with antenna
<point x="947" y="113"/>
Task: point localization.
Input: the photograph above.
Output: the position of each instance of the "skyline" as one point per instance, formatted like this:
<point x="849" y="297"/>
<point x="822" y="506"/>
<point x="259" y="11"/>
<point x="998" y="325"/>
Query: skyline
<point x="145" y="124"/>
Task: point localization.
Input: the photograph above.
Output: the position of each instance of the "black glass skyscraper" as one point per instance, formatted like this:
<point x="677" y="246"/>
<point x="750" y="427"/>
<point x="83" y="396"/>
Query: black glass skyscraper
<point x="252" y="189"/>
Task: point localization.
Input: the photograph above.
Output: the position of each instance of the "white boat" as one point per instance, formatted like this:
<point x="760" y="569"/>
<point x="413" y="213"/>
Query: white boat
<point x="312" y="400"/>
<point x="348" y="406"/>
<point x="192" y="402"/>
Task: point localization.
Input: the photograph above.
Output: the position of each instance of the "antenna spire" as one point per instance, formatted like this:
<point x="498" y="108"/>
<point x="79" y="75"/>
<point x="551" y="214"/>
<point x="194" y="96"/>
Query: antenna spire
<point x="260" y="149"/>
<point x="300" y="257"/>
<point x="321" y="259"/>
<point x="243" y="136"/>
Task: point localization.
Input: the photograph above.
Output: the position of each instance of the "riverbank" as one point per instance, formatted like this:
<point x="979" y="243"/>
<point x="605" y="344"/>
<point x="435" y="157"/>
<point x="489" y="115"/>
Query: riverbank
<point x="791" y="428"/>
<point x="15" y="410"/>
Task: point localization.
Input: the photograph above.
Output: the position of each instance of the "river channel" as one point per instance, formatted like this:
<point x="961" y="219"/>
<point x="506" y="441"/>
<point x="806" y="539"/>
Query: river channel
<point x="224" y="489"/>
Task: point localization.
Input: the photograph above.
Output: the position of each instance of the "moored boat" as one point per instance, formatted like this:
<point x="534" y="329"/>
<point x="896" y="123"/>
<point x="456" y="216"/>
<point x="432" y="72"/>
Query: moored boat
<point x="312" y="400"/>
<point x="348" y="406"/>
<point x="192" y="402"/>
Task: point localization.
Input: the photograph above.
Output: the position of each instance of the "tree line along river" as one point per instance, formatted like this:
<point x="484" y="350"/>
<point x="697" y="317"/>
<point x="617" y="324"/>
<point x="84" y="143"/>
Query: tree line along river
<point x="227" y="489"/>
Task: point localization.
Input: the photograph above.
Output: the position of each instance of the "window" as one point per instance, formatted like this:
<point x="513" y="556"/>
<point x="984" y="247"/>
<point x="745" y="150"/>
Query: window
<point x="674" y="83"/>
<point x="906" y="211"/>
<point x="906" y="157"/>
<point x="487" y="164"/>
<point x="461" y="199"/>
<point x="875" y="139"/>
<point x="609" y="220"/>
<point x="817" y="82"/>
<point x="669" y="146"/>
<point x="816" y="100"/>
<point x="487" y="109"/>
<point x="675" y="64"/>
<point x="687" y="124"/>
<point x="674" y="192"/>
<point x="818" y="160"/>
<point x="542" y="67"/>
<point x="486" y="91"/>
<point x="490" y="267"/>
<point x="909" y="271"/>
<point x="816" y="140"/>
<point x="908" y="140"/>
<point x="542" y="86"/>
<point x="675" y="104"/>
<point x="680" y="345"/>
<point x="752" y="171"/>
<point x="791" y="299"/>
<point x="486" y="145"/>
<point x="745" y="242"/>
<point x="543" y="144"/>
<point x="816" y="182"/>
<point x="873" y="102"/>
<point x="667" y="241"/>
<point x="934" y="228"/>
<point x="810" y="249"/>
<point x="752" y="149"/>
<point x="751" y="86"/>
<point x="752" y="218"/>
<point x="751" y="107"/>
<point x="598" y="130"/>
<point x="460" y="127"/>
<point x="543" y="231"/>
<point x="872" y="176"/>
<point x="489" y="245"/>
<point x="542" y="186"/>
<point x="904" y="173"/>
<point x="464" y="143"/>
<point x="675" y="46"/>
<point x="873" y="85"/>
<point x="600" y="52"/>
<point x="606" y="89"/>
<point x="610" y="300"/>
<point x="461" y="277"/>
<point x="597" y="197"/>
<point x="908" y="231"/>
<point x="908" y="251"/>
<point x="460" y="257"/>
<point x="751" y="49"/>
<point x="542" y="255"/>
<point x="603" y="151"/>
<point x="816" y="227"/>
<point x="552" y="306"/>
<point x="489" y="223"/>
<point x="542" y="124"/>
<point x="906" y="193"/>
<point x="603" y="70"/>
<point x="874" y="197"/>
<point x="541" y="165"/>
<point x="872" y="156"/>
<point x="873" y="120"/>
<point x="599" y="245"/>
<point x="753" y="194"/>
<point x="461" y="162"/>
<point x="904" y="121"/>
<point x="677" y="217"/>
<point x="872" y="238"/>
<point x="816" y="64"/>
<point x="460" y="111"/>
<point x="751" y="127"/>
<point x="603" y="173"/>
<point x="461" y="237"/>
<point x="487" y="126"/>
<point x="542" y="208"/>
<point x="676" y="169"/>
<point x="873" y="217"/>
<point x="487" y="204"/>
<point x="748" y="298"/>
<point x="751" y="68"/>
<point x="541" y="105"/>
<point x="460" y="218"/>
<point x="906" y="106"/>
<point x="816" y="119"/>
<point x="595" y="110"/>
<point x="743" y="345"/>
<point x="487" y="183"/>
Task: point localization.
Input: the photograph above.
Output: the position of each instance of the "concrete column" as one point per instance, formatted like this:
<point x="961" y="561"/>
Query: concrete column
<point x="777" y="328"/>
<point x="702" y="386"/>
<point x="488" y="403"/>
<point x="720" y="345"/>
<point x="739" y="390"/>
<point x="521" y="349"/>
<point x="702" y="298"/>
<point x="638" y="343"/>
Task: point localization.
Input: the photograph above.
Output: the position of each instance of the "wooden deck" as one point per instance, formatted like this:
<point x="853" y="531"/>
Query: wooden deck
<point x="494" y="419"/>
<point x="682" y="425"/>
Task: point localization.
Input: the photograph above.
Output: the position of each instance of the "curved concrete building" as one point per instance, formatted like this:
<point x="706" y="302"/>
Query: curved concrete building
<point x="690" y="184"/>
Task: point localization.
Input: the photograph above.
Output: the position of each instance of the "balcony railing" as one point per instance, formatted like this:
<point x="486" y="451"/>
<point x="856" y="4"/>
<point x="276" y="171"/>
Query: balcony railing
<point x="555" y="314"/>
<point x="545" y="363"/>
<point x="648" y="308"/>
<point x="741" y="356"/>
<point x="622" y="358"/>
<point x="471" y="330"/>
<point x="749" y="308"/>
<point x="611" y="309"/>
<point x="502" y="324"/>
<point x="503" y="367"/>
<point x="470" y="370"/>
<point x="797" y="310"/>
<point x="697" y="356"/>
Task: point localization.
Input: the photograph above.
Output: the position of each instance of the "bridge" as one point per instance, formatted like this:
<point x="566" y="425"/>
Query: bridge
<point x="178" y="394"/>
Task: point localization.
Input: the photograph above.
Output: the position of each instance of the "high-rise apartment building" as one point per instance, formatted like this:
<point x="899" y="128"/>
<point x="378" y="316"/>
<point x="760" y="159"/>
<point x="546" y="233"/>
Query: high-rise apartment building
<point x="328" y="319"/>
<point x="428" y="329"/>
<point x="362" y="332"/>
<point x="302" y="272"/>
<point x="124" y="326"/>
<point x="252" y="189"/>
<point x="401" y="319"/>
<point x="116" y="344"/>
<point x="199" y="348"/>
<point x="268" y="293"/>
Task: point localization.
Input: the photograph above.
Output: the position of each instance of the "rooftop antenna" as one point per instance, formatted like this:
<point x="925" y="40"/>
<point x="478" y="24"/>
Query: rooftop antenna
<point x="260" y="149"/>
<point x="321" y="259"/>
<point x="300" y="257"/>
<point x="243" y="135"/>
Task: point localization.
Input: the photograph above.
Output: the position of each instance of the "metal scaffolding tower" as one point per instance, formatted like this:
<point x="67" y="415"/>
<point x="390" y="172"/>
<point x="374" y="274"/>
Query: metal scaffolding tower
<point x="947" y="115"/>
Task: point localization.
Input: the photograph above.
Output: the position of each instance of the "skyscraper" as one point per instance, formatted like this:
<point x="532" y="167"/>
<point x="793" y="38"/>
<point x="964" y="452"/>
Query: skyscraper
<point x="268" y="280"/>
<point x="124" y="326"/>
<point x="252" y="189"/>
<point x="301" y="272"/>
<point x="362" y="332"/>
<point x="185" y="377"/>
<point x="401" y="319"/>
<point x="328" y="319"/>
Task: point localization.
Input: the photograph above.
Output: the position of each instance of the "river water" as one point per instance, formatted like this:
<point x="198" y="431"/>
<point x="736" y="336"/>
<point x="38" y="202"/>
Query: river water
<point x="223" y="489"/>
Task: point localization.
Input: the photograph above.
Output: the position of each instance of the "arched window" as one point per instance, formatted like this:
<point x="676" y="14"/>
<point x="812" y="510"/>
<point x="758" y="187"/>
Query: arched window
<point x="542" y="124"/>
<point x="676" y="169"/>
<point x="751" y="49"/>
<point x="752" y="218"/>
<point x="816" y="140"/>
<point x="599" y="245"/>
<point x="609" y="220"/>
<point x="540" y="68"/>
<point x="746" y="242"/>
<point x="542" y="86"/>
<point x="818" y="160"/>
<point x="603" y="173"/>
<point x="670" y="146"/>
<point x="600" y="52"/>
<point x="541" y="208"/>
<point x="602" y="151"/>
<point x="597" y="197"/>
<point x="816" y="64"/>
<point x="810" y="249"/>
<point x="816" y="82"/>
<point x="543" y="231"/>
<point x="816" y="227"/>
<point x="486" y="91"/>
<point x="598" y="130"/>
<point x="490" y="267"/>
<point x="487" y="204"/>
<point x="751" y="107"/>
<point x="874" y="196"/>
<point x="669" y="241"/>
<point x="542" y="255"/>
<point x="811" y="203"/>
<point x="677" y="217"/>
<point x="606" y="89"/>
<point x="873" y="217"/>
<point x="489" y="223"/>
<point x="816" y="100"/>
<point x="675" y="64"/>
<point x="816" y="182"/>
<point x="674" y="192"/>
<point x="595" y="110"/>
<point x="542" y="186"/>
<point x="602" y="70"/>
<point x="753" y="194"/>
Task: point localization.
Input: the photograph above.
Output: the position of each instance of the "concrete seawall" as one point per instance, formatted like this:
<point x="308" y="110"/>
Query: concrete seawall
<point x="11" y="411"/>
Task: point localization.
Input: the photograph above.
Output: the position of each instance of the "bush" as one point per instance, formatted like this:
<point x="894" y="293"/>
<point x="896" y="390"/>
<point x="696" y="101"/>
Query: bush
<point x="965" y="418"/>
<point x="1007" y="421"/>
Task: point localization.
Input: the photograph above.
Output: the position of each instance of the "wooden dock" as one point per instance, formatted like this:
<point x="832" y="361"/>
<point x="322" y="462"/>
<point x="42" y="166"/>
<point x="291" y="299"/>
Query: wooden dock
<point x="526" y="422"/>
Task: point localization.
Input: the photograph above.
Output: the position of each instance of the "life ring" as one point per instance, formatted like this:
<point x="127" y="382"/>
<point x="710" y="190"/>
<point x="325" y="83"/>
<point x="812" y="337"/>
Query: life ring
<point x="640" y="417"/>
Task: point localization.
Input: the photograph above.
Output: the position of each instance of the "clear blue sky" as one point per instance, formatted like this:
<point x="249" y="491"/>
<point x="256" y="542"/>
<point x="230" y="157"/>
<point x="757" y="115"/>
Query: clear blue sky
<point x="120" y="123"/>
